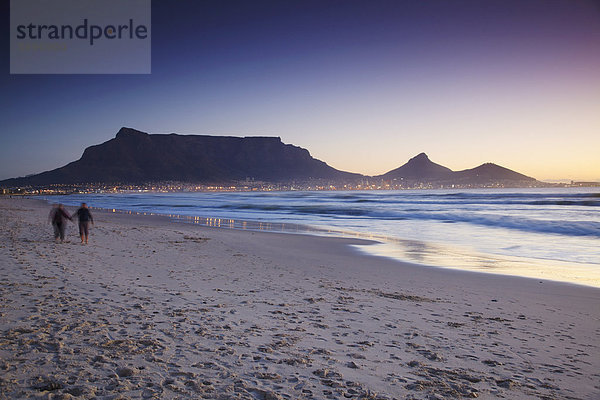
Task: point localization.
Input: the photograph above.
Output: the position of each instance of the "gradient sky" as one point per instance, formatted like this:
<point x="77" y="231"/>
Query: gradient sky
<point x="364" y="85"/>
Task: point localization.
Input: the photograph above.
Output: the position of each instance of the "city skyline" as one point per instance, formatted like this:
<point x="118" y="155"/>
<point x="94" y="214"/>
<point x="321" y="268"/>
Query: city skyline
<point x="363" y="85"/>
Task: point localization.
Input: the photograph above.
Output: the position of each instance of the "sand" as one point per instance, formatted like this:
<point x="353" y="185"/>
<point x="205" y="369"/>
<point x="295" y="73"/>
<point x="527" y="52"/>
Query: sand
<point x="155" y="309"/>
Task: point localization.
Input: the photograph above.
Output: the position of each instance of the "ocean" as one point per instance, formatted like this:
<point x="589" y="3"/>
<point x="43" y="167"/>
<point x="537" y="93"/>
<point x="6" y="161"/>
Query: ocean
<point x="538" y="233"/>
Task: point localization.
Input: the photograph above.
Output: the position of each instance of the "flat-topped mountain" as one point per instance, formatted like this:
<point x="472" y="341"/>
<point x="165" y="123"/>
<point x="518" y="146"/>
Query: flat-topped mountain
<point x="136" y="157"/>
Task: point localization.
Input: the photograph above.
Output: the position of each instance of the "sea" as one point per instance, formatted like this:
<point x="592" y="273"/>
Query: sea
<point x="546" y="234"/>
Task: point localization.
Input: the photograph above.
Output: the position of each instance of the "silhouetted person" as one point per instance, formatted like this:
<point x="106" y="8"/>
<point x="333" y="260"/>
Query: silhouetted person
<point x="58" y="217"/>
<point x="85" y="218"/>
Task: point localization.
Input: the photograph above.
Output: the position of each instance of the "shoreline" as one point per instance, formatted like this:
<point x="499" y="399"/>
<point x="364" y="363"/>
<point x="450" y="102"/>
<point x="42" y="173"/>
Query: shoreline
<point x="154" y="309"/>
<point x="399" y="250"/>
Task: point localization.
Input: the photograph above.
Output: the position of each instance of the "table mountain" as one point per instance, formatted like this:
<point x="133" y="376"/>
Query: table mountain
<point x="136" y="157"/>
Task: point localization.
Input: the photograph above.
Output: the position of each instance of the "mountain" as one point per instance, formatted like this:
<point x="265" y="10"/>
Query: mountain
<point x="134" y="157"/>
<point x="419" y="168"/>
<point x="489" y="172"/>
<point x="137" y="157"/>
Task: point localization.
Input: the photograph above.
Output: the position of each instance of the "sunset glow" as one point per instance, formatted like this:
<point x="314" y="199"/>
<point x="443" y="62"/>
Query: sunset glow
<point x="363" y="85"/>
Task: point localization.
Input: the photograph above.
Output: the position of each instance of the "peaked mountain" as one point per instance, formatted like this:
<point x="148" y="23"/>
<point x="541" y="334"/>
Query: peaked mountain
<point x="136" y="157"/>
<point x="419" y="168"/>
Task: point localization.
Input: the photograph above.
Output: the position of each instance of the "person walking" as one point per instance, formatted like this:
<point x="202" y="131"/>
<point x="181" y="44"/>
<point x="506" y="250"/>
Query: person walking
<point x="85" y="218"/>
<point x="58" y="217"/>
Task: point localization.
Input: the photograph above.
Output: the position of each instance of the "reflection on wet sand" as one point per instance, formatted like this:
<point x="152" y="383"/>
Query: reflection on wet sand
<point x="417" y="252"/>
<point x="466" y="259"/>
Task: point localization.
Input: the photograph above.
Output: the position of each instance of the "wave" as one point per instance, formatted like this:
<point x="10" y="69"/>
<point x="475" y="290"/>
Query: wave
<point x="585" y="200"/>
<point x="547" y="213"/>
<point x="162" y="205"/>
<point x="557" y="202"/>
<point x="569" y="228"/>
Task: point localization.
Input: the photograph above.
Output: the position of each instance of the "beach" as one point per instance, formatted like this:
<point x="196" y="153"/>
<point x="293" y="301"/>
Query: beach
<point x="151" y="308"/>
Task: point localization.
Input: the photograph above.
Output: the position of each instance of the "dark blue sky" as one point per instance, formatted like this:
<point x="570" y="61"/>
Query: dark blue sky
<point x="364" y="85"/>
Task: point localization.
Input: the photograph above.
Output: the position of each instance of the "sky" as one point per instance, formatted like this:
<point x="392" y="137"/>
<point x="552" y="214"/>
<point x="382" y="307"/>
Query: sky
<point x="363" y="85"/>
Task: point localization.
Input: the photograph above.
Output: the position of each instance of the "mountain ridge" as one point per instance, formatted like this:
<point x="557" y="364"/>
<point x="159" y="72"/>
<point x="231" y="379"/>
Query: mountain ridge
<point x="421" y="169"/>
<point x="133" y="156"/>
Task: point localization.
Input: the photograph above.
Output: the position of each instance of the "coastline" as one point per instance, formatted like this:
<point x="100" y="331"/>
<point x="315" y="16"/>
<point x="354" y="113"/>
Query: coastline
<point x="155" y="309"/>
<point x="527" y="233"/>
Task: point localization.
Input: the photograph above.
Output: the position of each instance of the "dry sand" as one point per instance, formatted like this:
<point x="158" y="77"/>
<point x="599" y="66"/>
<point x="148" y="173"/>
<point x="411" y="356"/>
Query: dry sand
<point x="156" y="309"/>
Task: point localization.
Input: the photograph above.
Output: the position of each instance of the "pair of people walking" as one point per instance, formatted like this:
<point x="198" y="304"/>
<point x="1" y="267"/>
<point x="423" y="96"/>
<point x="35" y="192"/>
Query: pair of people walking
<point x="58" y="217"/>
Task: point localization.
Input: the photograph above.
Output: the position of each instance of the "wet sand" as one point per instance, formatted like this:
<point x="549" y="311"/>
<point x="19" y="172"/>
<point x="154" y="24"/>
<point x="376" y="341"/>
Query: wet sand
<point x="157" y="309"/>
